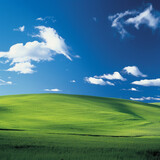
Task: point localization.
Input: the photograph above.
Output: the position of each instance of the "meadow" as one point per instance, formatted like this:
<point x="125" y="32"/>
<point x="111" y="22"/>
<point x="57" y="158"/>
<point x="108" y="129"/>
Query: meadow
<point x="74" y="127"/>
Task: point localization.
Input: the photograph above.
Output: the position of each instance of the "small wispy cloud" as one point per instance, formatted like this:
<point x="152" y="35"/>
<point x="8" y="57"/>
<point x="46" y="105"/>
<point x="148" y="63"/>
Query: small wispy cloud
<point x="133" y="70"/>
<point x="97" y="81"/>
<point x="39" y="19"/>
<point x="46" y="19"/>
<point x="4" y="62"/>
<point x="2" y="82"/>
<point x="137" y="18"/>
<point x="76" y="56"/>
<point x="148" y="82"/>
<point x="52" y="90"/>
<point x="21" y="29"/>
<point x="114" y="76"/>
<point x="118" y="22"/>
<point x="101" y="80"/>
<point x="73" y="81"/>
<point x="131" y="89"/>
<point x="148" y="17"/>
<point x="145" y="98"/>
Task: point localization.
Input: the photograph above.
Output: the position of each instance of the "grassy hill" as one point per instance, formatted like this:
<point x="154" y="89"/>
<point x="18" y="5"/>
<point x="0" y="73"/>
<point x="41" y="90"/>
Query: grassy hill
<point x="156" y="104"/>
<point x="47" y="126"/>
<point x="54" y="113"/>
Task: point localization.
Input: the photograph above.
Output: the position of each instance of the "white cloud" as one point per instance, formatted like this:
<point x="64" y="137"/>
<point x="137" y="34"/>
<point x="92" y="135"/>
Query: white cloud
<point x="148" y="82"/>
<point x="4" y="62"/>
<point x="52" y="90"/>
<point x="21" y="55"/>
<point x="97" y="81"/>
<point x="76" y="56"/>
<point x="133" y="89"/>
<point x="2" y="82"/>
<point x="35" y="51"/>
<point x="93" y="80"/>
<point x="133" y="70"/>
<point x="24" y="67"/>
<point x="118" y="20"/>
<point x="21" y="29"/>
<point x="53" y="41"/>
<point x="145" y="98"/>
<point x="110" y="83"/>
<point x="114" y="76"/>
<point x="46" y="19"/>
<point x="73" y="81"/>
<point x="40" y="19"/>
<point x="137" y="99"/>
<point x="148" y="17"/>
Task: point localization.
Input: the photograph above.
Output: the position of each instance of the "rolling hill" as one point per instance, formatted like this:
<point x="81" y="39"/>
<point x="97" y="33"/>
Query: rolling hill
<point x="66" y="127"/>
<point x="56" y="113"/>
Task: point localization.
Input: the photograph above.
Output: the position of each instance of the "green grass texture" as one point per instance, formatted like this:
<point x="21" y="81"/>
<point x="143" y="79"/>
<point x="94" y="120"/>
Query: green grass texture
<point x="75" y="127"/>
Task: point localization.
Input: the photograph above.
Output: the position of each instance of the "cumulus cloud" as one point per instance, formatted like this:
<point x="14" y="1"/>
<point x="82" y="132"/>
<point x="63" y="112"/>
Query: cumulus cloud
<point x="100" y="80"/>
<point x="145" y="98"/>
<point x="21" y="29"/>
<point x="133" y="70"/>
<point x="24" y="67"/>
<point x="21" y="55"/>
<point x="97" y="81"/>
<point x="148" y="82"/>
<point x="148" y="17"/>
<point x="2" y="82"/>
<point x="93" y="80"/>
<point x="114" y="76"/>
<point x="52" y="90"/>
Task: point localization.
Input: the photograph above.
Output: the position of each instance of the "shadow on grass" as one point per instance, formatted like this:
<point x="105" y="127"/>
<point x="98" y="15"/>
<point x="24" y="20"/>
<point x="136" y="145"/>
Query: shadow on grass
<point x="4" y="129"/>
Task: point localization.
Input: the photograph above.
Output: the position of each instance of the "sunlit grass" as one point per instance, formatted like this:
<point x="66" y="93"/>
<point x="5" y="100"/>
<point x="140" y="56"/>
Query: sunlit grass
<point x="55" y="126"/>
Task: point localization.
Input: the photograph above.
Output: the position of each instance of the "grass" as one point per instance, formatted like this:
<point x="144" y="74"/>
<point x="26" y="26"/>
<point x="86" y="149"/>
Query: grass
<point x="72" y="127"/>
<point x="156" y="103"/>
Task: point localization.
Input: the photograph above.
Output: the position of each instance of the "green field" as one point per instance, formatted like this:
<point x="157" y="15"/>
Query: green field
<point x="72" y="127"/>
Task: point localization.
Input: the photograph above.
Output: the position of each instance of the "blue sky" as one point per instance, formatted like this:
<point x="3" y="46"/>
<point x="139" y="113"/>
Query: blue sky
<point x="104" y="48"/>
